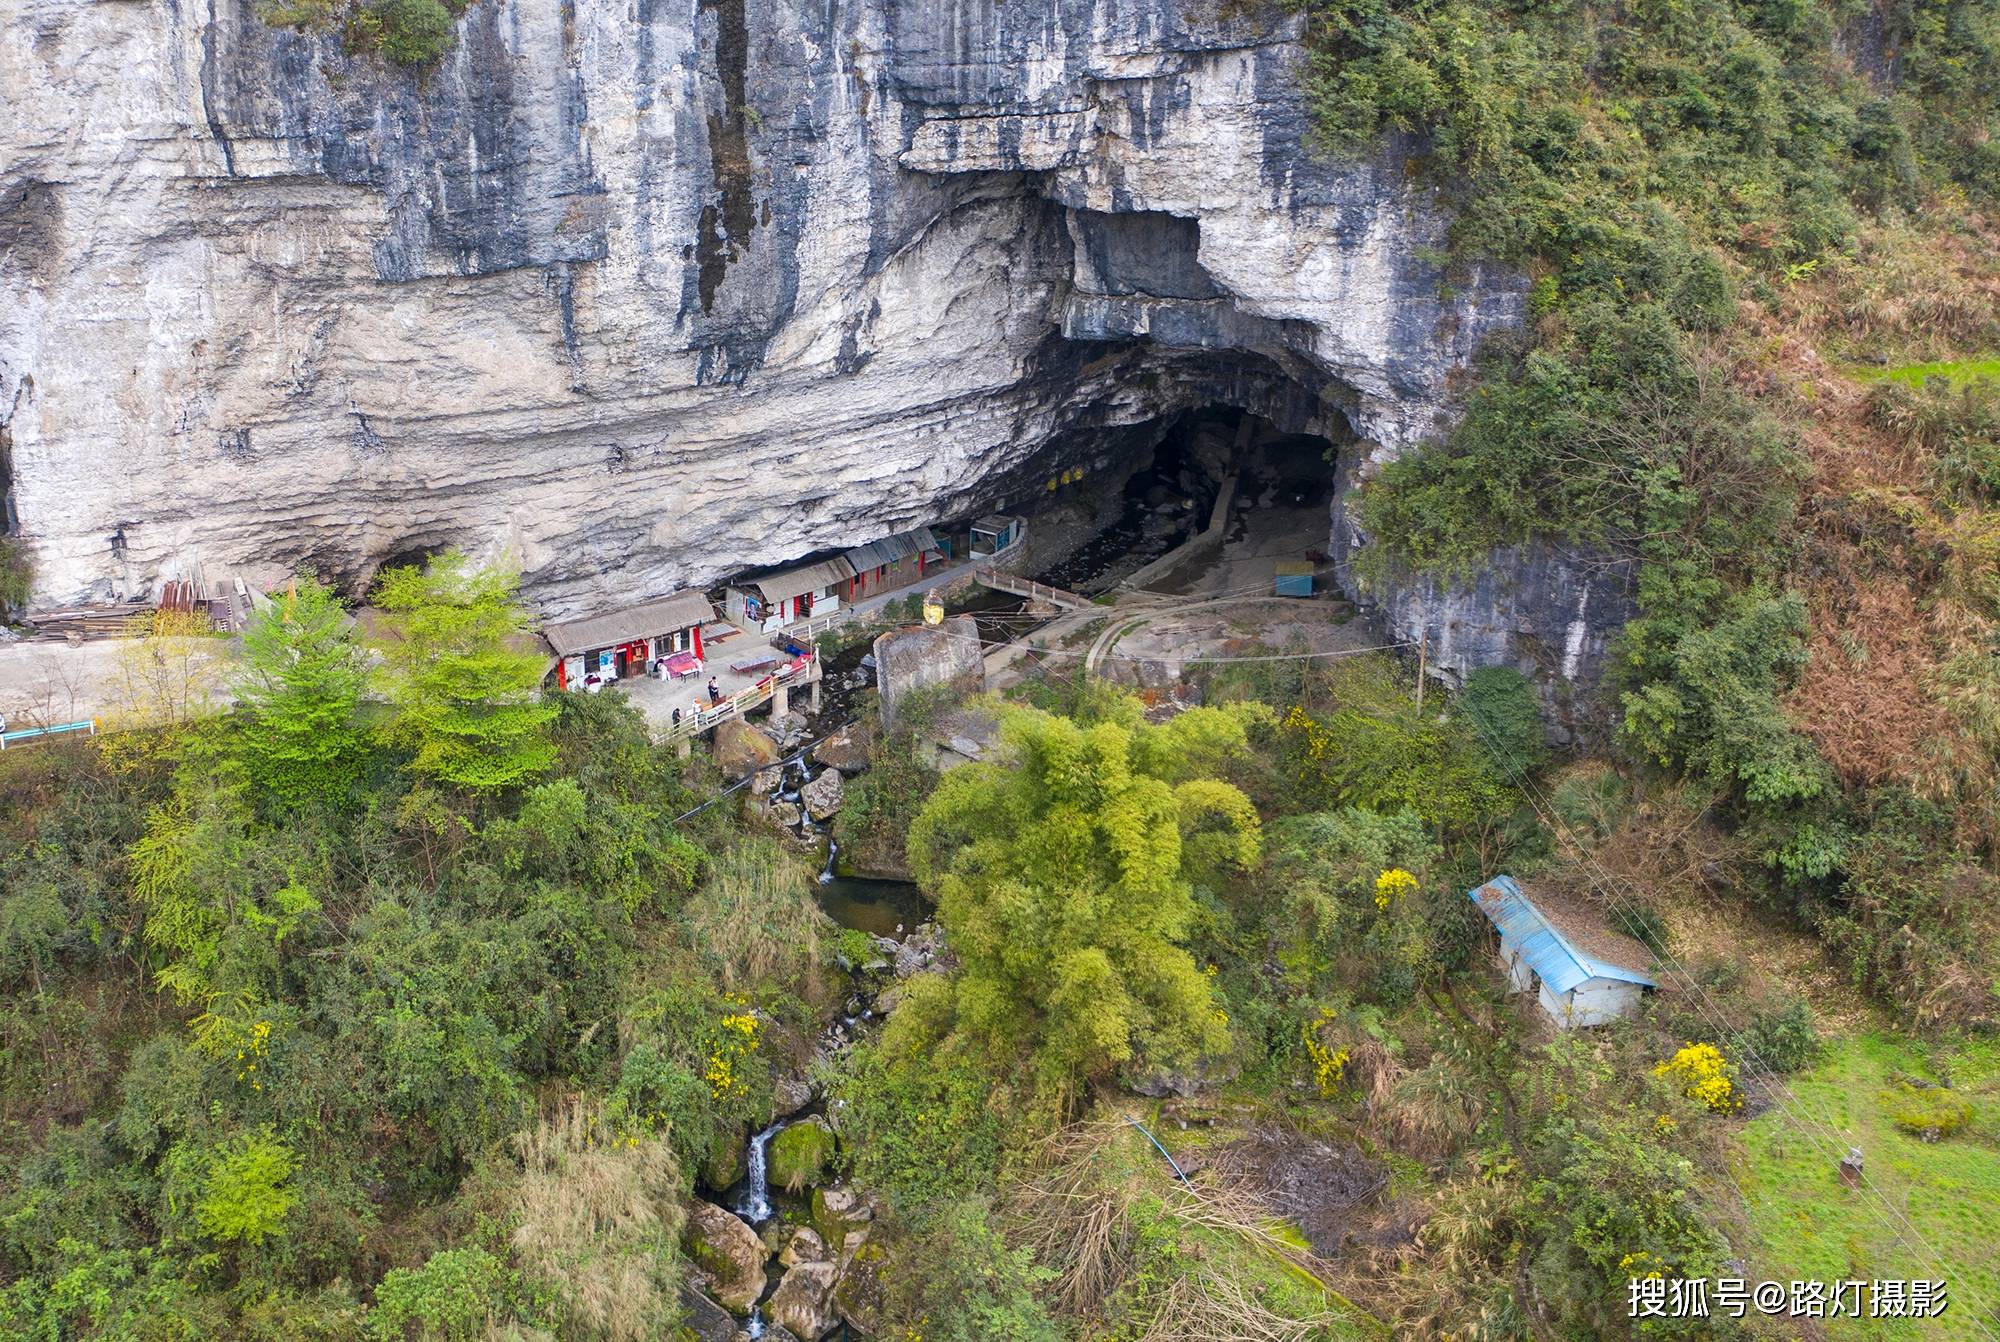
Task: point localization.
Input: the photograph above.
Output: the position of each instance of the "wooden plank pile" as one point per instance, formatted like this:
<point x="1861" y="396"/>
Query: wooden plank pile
<point x="228" y="612"/>
<point x="76" y="623"/>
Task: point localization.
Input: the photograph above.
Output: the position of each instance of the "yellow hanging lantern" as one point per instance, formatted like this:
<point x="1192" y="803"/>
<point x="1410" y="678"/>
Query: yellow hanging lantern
<point x="933" y="609"/>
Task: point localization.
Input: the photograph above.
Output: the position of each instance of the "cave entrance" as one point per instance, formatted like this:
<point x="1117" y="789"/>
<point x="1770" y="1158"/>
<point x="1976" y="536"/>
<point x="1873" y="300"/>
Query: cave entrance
<point x="1216" y="465"/>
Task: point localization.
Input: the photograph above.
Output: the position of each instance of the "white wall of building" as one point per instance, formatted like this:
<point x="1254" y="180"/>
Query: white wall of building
<point x="1592" y="1002"/>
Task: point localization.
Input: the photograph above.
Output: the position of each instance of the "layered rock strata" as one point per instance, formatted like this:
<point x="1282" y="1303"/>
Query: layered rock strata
<point x="645" y="294"/>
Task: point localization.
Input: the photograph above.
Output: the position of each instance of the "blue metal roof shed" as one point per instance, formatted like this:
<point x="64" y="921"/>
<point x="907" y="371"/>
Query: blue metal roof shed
<point x="1577" y="987"/>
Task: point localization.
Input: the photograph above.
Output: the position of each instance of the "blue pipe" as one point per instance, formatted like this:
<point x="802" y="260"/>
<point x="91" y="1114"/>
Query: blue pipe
<point x="1178" y="1171"/>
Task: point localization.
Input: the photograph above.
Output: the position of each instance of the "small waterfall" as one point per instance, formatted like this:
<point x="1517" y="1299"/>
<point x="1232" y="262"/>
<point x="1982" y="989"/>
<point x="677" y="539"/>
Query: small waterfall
<point x="832" y="852"/>
<point x="753" y="1202"/>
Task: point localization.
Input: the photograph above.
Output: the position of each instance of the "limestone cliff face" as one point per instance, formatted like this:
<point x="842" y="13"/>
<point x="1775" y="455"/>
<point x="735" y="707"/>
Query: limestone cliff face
<point x="644" y="292"/>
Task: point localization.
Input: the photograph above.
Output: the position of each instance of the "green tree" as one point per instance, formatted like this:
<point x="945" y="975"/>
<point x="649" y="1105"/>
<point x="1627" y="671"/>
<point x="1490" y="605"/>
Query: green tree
<point x="1061" y="875"/>
<point x="246" y="1196"/>
<point x="464" y="682"/>
<point x="301" y="694"/>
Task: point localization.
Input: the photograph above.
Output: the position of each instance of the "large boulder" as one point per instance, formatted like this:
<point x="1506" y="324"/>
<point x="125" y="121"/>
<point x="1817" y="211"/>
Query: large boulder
<point x="728" y="1257"/>
<point x="845" y="750"/>
<point x="908" y="661"/>
<point x="728" y="1161"/>
<point x="741" y="749"/>
<point x="706" y="1321"/>
<point x="858" y="1295"/>
<point x="790" y="729"/>
<point x="799" y="1154"/>
<point x="822" y="796"/>
<point x="766" y="781"/>
<point x="838" y="1210"/>
<point x="791" y="1091"/>
<point x="803" y="1245"/>
<point x="803" y="1301"/>
<point x="922" y="950"/>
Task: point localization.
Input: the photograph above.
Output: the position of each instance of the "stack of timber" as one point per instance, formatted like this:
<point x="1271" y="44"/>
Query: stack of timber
<point x="227" y="609"/>
<point x="117" y="619"/>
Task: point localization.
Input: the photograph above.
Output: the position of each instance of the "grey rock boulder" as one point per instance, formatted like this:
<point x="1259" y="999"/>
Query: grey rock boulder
<point x="803" y="1301"/>
<point x="728" y="1256"/>
<point x="845" y="750"/>
<point x="822" y="797"/>
<point x="803" y="1246"/>
<point x="741" y="749"/>
<point x="708" y="1321"/>
<point x="922" y="950"/>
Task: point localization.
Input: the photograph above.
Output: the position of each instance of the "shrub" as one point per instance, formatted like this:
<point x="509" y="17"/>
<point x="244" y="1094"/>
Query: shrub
<point x="17" y="576"/>
<point x="1376" y="750"/>
<point x="975" y="1289"/>
<point x="1926" y="1111"/>
<point x="1783" y="1038"/>
<point x="1703" y="1075"/>
<point x="1591" y="802"/>
<point x="922" y="1126"/>
<point x="453" y="1297"/>
<point x="246" y="1196"/>
<point x="853" y="948"/>
<point x="1642" y="924"/>
<point x="414" y="32"/>
<point x="696" y="1068"/>
<point x="1504" y="713"/>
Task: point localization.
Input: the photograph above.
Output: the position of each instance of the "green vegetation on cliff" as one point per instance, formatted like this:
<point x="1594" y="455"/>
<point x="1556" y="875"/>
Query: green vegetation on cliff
<point x="1716" y="207"/>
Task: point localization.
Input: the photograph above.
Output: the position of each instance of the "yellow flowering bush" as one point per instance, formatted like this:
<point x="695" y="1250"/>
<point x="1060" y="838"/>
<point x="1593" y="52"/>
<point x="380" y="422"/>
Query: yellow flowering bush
<point x="238" y="1029"/>
<point x="737" y="1042"/>
<point x="1705" y="1075"/>
<point x="1641" y="1265"/>
<point x="1329" y="1063"/>
<point x="1392" y="885"/>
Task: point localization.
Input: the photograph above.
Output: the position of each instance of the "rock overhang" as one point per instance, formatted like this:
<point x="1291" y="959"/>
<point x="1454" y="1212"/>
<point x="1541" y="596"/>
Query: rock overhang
<point x="555" y="318"/>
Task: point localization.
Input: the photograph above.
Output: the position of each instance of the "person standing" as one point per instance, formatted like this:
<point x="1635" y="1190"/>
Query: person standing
<point x="714" y="692"/>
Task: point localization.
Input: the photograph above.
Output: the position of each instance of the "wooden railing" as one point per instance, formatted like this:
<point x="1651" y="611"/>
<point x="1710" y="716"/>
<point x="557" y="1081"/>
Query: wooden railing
<point x="818" y="624"/>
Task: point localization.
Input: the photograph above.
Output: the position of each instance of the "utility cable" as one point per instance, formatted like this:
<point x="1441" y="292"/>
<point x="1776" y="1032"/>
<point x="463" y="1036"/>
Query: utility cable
<point x="1787" y="1101"/>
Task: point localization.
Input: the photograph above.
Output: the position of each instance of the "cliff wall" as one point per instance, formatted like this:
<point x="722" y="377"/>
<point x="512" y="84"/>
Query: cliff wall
<point x="643" y="292"/>
<point x="650" y="291"/>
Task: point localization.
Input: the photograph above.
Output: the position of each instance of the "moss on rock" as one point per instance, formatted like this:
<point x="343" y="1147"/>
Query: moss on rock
<point x="800" y="1154"/>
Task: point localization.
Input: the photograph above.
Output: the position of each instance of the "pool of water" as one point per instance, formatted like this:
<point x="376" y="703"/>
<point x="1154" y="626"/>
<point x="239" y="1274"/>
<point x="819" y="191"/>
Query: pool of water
<point x="878" y="908"/>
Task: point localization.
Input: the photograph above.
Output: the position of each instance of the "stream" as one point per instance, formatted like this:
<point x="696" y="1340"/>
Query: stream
<point x="880" y="908"/>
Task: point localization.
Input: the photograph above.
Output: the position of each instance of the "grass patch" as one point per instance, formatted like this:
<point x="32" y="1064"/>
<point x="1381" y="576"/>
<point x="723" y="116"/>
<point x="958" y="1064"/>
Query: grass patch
<point x="1916" y="374"/>
<point x="1811" y="1226"/>
<point x="1200" y="1259"/>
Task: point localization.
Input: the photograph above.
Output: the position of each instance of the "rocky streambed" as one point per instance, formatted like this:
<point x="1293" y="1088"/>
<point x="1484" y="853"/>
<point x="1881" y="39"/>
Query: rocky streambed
<point x="777" y="1238"/>
<point x="780" y="1242"/>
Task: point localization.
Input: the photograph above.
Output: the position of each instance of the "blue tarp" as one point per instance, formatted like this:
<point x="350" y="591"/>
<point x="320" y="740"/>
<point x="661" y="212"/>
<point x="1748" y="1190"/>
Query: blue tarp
<point x="1548" y="952"/>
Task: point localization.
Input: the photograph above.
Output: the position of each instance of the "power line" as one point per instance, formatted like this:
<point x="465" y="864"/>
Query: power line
<point x="1787" y="1101"/>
